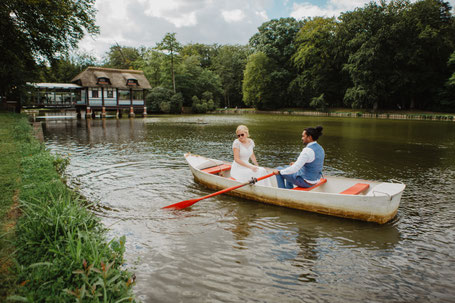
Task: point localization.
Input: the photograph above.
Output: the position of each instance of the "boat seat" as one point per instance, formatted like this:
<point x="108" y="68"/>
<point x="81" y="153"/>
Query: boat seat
<point x="356" y="189"/>
<point x="322" y="181"/>
<point x="217" y="169"/>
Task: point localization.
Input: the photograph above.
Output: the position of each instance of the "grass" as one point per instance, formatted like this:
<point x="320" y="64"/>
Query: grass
<point x="58" y="249"/>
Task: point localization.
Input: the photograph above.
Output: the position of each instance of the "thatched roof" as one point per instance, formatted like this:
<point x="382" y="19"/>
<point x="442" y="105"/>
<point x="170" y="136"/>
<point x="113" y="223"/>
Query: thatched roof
<point x="118" y="78"/>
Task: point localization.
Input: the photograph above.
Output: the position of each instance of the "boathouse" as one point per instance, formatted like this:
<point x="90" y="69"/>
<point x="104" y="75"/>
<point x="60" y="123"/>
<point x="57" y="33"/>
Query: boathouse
<point x="107" y="89"/>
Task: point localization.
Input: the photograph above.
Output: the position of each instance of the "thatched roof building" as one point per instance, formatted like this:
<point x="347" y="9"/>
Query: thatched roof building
<point x="110" y="77"/>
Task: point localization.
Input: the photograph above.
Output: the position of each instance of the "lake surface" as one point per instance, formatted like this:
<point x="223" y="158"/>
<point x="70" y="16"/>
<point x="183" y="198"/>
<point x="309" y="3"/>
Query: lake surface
<point x="227" y="249"/>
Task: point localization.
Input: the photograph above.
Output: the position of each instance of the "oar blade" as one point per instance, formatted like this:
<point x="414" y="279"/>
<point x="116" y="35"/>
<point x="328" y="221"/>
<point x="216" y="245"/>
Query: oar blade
<point x="182" y="204"/>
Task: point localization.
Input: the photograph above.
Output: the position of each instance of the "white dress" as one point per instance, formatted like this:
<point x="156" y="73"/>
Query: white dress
<point x="242" y="173"/>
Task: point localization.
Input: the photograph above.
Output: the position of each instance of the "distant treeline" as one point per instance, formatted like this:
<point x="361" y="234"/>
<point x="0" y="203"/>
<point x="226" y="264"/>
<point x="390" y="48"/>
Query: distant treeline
<point x="385" y="55"/>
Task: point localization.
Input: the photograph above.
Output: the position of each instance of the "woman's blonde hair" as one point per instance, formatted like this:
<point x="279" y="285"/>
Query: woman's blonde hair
<point x="244" y="129"/>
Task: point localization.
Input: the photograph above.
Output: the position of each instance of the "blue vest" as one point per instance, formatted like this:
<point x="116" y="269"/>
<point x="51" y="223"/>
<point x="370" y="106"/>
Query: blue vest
<point x="313" y="171"/>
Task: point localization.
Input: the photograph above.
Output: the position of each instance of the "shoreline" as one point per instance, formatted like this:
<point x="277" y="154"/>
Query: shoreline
<point x="353" y="114"/>
<point x="55" y="246"/>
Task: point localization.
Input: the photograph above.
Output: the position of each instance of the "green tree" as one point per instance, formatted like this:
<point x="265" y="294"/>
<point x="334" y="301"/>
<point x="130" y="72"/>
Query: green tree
<point x="229" y="64"/>
<point x="122" y="57"/>
<point x="205" y="53"/>
<point x="194" y="80"/>
<point x="258" y="90"/>
<point x="156" y="96"/>
<point x="319" y="62"/>
<point x="64" y="69"/>
<point x="275" y="39"/>
<point x="33" y="31"/>
<point x="171" y="48"/>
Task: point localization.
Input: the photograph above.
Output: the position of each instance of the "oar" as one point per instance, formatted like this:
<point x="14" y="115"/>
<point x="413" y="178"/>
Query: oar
<point x="188" y="203"/>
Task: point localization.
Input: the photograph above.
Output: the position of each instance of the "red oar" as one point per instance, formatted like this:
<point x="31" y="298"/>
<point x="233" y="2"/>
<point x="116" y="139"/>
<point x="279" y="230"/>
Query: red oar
<point x="188" y="203"/>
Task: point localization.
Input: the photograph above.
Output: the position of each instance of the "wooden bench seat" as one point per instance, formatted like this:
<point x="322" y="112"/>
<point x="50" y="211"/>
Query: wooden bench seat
<point x="217" y="169"/>
<point x="322" y="181"/>
<point x="356" y="189"/>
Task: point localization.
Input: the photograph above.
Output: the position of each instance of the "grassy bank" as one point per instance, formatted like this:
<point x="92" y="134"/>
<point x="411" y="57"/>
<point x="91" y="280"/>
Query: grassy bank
<point x="55" y="250"/>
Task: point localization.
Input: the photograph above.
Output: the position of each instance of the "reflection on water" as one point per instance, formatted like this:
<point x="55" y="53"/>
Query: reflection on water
<point x="231" y="250"/>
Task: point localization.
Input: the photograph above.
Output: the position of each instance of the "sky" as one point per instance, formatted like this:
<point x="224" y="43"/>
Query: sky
<point x="145" y="22"/>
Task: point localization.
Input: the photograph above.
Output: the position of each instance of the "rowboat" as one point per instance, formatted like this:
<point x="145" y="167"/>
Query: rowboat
<point x="357" y="199"/>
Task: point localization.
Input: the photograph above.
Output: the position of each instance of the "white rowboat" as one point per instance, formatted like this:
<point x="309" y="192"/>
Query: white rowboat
<point x="336" y="196"/>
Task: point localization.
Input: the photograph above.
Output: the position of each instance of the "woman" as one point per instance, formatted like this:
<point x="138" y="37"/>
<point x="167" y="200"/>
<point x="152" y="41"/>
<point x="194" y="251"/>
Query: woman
<point x="242" y="170"/>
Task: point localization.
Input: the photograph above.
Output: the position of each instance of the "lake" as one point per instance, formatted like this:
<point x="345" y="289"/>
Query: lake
<point x="227" y="249"/>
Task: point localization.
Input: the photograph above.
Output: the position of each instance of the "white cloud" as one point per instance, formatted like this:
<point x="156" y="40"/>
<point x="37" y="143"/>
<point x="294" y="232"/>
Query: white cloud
<point x="145" y="22"/>
<point x="235" y="15"/>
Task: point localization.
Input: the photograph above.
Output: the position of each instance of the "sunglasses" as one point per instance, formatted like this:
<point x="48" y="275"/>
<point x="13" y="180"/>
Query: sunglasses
<point x="240" y="135"/>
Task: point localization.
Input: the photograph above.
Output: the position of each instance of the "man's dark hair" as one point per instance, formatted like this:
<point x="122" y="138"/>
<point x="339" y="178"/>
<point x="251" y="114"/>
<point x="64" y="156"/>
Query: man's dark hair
<point x="314" y="132"/>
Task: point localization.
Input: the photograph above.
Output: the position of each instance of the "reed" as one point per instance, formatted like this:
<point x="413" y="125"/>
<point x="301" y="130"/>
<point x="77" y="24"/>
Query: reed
<point x="62" y="253"/>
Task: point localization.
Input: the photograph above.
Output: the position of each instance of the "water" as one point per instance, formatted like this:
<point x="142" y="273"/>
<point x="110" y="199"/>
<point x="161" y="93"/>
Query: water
<point x="226" y="249"/>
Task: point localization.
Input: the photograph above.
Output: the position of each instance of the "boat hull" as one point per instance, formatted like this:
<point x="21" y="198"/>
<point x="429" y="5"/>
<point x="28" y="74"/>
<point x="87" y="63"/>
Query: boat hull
<point x="380" y="204"/>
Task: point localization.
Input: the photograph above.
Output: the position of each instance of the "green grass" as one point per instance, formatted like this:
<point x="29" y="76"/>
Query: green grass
<point x="9" y="180"/>
<point x="61" y="253"/>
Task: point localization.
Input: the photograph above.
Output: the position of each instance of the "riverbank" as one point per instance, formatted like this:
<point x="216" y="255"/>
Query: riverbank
<point x="399" y="115"/>
<point x="51" y="247"/>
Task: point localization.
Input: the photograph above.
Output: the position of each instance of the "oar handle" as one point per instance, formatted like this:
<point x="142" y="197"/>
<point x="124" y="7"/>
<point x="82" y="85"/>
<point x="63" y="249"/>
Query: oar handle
<point x="187" y="203"/>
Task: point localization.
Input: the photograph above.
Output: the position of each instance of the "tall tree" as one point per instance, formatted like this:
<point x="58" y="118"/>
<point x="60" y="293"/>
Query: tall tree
<point x="32" y="31"/>
<point x="229" y="64"/>
<point x="171" y="47"/>
<point x="275" y="39"/>
<point x="205" y="53"/>
<point x="258" y="90"/>
<point x="319" y="61"/>
<point x="122" y="57"/>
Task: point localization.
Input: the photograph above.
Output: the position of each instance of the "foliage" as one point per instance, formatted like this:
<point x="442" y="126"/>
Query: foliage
<point x="57" y="237"/>
<point x="171" y="48"/>
<point x="397" y="53"/>
<point x="65" y="68"/>
<point x="319" y="103"/>
<point x="229" y="64"/>
<point x="194" y="80"/>
<point x="258" y="90"/>
<point x="38" y="30"/>
<point x="121" y="57"/>
<point x="276" y="39"/>
<point x="319" y="61"/>
<point x="156" y="97"/>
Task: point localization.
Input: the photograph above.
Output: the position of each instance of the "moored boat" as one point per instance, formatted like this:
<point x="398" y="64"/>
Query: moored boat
<point x="337" y="196"/>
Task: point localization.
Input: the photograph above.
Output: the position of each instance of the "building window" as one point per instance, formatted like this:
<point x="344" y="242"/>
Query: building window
<point x="124" y="94"/>
<point x="103" y="80"/>
<point x="132" y="82"/>
<point x="95" y="93"/>
<point x="109" y="93"/>
<point x="138" y="95"/>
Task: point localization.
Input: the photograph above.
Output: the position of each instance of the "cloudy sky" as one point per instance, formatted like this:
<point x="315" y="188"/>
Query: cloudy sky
<point x="145" y="22"/>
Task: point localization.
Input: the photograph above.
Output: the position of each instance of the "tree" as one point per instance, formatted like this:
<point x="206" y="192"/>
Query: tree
<point x="205" y="53"/>
<point x="171" y="47"/>
<point x="156" y="97"/>
<point x="32" y="31"/>
<point x="258" y="90"/>
<point x="122" y="57"/>
<point x="194" y="80"/>
<point x="64" y="69"/>
<point x="229" y="65"/>
<point x="319" y="62"/>
<point x="276" y="39"/>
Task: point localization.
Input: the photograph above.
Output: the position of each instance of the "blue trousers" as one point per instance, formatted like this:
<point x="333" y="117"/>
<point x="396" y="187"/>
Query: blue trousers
<point x="288" y="181"/>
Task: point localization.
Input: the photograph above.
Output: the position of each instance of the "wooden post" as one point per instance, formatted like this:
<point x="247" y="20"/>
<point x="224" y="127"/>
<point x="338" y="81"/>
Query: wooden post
<point x="131" y="115"/>
<point x="88" y="112"/>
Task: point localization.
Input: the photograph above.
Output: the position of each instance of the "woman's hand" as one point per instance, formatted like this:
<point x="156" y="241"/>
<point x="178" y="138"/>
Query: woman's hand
<point x="254" y="168"/>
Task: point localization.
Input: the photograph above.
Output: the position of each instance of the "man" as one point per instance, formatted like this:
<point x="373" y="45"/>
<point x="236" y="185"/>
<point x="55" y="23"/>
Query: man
<point x="307" y="170"/>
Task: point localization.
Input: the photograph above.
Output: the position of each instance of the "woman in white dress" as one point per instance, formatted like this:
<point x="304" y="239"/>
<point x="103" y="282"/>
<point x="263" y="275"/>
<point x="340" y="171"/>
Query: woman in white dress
<point x="242" y="170"/>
